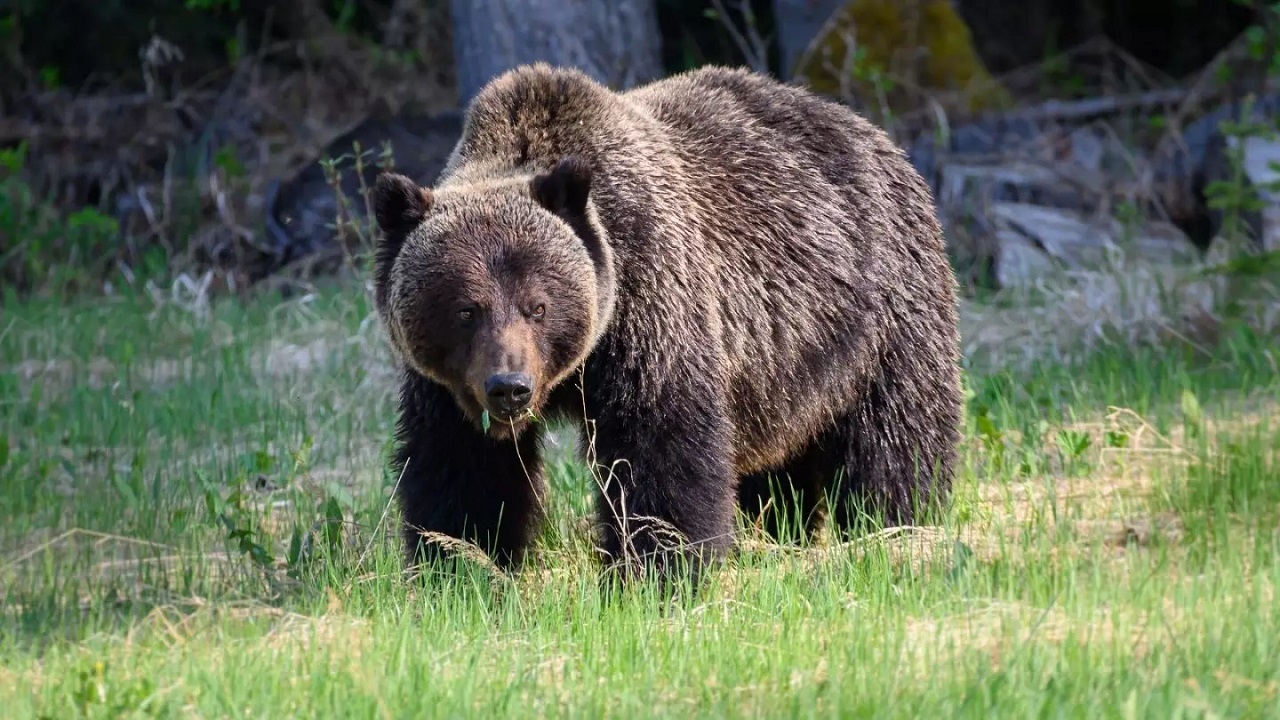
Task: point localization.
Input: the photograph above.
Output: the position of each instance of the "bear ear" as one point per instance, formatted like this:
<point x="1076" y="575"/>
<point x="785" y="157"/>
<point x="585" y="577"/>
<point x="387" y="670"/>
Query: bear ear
<point x="399" y="204"/>
<point x="564" y="189"/>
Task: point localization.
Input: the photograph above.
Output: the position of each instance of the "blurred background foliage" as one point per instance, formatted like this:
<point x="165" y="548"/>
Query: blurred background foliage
<point x="142" y="138"/>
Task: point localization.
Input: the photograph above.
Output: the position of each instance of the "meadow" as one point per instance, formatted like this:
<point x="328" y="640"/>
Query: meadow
<point x="195" y="523"/>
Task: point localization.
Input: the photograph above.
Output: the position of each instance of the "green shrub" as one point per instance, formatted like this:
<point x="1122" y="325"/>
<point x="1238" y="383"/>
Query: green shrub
<point x="43" y="251"/>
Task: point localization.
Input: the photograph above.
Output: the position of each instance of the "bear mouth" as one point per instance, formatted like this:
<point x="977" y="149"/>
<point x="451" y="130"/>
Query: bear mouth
<point x="503" y="426"/>
<point x="500" y="424"/>
<point x="508" y="419"/>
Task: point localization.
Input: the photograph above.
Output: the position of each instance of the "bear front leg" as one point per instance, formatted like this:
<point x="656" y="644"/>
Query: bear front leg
<point x="456" y="481"/>
<point x="666" y="497"/>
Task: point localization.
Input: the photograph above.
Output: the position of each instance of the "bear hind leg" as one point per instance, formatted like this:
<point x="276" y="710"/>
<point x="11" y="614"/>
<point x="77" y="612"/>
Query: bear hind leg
<point x="900" y="451"/>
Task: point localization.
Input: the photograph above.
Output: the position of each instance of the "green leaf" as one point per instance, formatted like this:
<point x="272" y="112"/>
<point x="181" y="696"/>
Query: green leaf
<point x="1254" y="265"/>
<point x="1073" y="442"/>
<point x="987" y="429"/>
<point x="1117" y="439"/>
<point x="962" y="557"/>
<point x="484" y="420"/>
<point x="1191" y="411"/>
<point x="294" y="554"/>
<point x="126" y="491"/>
<point x="333" y="523"/>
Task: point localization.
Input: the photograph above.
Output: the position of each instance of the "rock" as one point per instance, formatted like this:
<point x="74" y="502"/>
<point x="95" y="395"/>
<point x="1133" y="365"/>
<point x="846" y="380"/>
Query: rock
<point x="1019" y="259"/>
<point x="1260" y="161"/>
<point x="1186" y="164"/>
<point x="1095" y="154"/>
<point x="974" y="166"/>
<point x="1016" y="181"/>
<point x="1182" y="156"/>
<point x="301" y="211"/>
<point x="1216" y="167"/>
<point x="1017" y="197"/>
<point x="1087" y="149"/>
<point x="1071" y="240"/>
<point x="987" y="141"/>
<point x="1063" y="236"/>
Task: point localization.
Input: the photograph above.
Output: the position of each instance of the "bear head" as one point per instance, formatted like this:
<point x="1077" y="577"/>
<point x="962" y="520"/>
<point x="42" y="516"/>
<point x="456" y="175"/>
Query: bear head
<point x="497" y="289"/>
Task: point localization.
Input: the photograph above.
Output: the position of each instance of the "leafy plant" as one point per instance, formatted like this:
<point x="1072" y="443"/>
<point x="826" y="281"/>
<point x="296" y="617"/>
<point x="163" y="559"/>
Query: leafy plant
<point x="43" y="251"/>
<point x="358" y="229"/>
<point x="94" y="693"/>
<point x="1073" y="444"/>
<point x="238" y="523"/>
<point x="1238" y="194"/>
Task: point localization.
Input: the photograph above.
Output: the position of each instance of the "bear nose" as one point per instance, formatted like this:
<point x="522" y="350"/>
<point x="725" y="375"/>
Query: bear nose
<point x="509" y="392"/>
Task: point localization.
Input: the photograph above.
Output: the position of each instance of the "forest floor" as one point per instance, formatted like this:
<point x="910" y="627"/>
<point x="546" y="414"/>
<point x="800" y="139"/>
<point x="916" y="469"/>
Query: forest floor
<point x="196" y="523"/>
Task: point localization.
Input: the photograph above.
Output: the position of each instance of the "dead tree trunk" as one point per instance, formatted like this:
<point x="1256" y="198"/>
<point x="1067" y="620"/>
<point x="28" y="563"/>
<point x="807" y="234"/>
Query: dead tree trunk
<point x="615" y="41"/>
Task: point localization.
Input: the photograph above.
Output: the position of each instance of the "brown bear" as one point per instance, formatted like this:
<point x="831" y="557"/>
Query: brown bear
<point x="738" y="288"/>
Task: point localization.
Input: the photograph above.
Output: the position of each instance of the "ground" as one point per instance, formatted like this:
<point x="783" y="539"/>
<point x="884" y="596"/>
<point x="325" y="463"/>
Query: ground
<point x="196" y="525"/>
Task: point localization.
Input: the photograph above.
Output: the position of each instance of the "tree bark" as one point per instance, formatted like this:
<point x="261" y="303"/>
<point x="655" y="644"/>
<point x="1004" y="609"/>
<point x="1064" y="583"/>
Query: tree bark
<point x="615" y="41"/>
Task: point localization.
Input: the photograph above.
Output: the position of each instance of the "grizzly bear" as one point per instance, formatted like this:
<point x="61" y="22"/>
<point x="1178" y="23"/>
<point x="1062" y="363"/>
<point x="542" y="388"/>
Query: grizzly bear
<point x="737" y="288"/>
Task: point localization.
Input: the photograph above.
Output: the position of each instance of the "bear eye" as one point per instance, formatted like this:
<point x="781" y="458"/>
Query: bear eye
<point x="466" y="314"/>
<point x="538" y="311"/>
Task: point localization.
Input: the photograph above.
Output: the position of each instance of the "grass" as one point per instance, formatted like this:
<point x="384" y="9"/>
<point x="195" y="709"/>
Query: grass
<point x="196" y="524"/>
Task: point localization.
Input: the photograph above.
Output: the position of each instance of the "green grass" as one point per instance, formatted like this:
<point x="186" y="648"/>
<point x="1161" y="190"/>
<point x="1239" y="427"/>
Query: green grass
<point x="195" y="524"/>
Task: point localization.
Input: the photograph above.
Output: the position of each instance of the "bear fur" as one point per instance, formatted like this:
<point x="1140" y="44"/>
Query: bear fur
<point x="737" y="288"/>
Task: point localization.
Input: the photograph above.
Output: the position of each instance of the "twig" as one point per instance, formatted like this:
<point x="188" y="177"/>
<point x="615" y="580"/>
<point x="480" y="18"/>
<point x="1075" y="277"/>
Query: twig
<point x="1205" y="87"/>
<point x="752" y="46"/>
<point x="1090" y="107"/>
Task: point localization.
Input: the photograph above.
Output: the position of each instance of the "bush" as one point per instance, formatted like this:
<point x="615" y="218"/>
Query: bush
<point x="42" y="251"/>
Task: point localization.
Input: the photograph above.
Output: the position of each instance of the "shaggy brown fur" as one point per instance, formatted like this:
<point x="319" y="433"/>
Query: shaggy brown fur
<point x="731" y="278"/>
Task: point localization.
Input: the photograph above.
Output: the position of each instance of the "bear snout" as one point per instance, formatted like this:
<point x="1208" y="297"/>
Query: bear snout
<point x="508" y="393"/>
